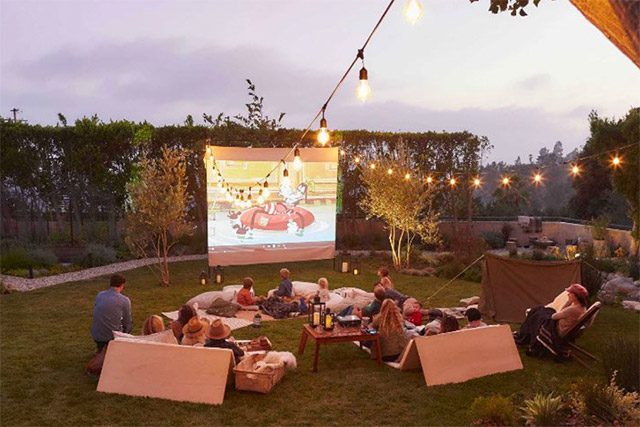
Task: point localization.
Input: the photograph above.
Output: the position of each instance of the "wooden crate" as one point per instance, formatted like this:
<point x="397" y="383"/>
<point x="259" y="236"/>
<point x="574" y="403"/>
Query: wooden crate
<point x="261" y="382"/>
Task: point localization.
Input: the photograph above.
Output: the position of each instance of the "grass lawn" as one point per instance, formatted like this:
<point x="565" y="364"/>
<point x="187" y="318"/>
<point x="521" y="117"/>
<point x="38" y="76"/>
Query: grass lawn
<point x="45" y="343"/>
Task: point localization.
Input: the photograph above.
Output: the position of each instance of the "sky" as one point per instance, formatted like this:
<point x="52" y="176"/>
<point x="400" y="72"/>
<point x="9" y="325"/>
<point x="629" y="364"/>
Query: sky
<point x="523" y="82"/>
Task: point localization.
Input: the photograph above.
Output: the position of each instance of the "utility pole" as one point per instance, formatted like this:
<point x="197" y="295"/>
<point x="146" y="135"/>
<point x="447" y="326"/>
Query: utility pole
<point x="15" y="112"/>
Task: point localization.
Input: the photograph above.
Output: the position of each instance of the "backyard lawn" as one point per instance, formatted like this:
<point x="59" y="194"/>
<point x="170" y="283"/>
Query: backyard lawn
<point x="45" y="343"/>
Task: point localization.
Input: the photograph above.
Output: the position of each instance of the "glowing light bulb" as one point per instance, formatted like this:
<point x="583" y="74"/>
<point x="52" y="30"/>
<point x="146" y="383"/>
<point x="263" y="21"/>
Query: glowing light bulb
<point x="297" y="161"/>
<point x="364" y="90"/>
<point x="575" y="170"/>
<point x="413" y="11"/>
<point x="429" y="180"/>
<point x="476" y="182"/>
<point x="389" y="171"/>
<point x="506" y="181"/>
<point x="356" y="159"/>
<point x="323" y="133"/>
<point x="537" y="178"/>
<point x="452" y="181"/>
<point x="372" y="166"/>
<point x="266" y="193"/>
<point x="615" y="162"/>
<point x="407" y="176"/>
<point x="342" y="152"/>
<point x="286" y="181"/>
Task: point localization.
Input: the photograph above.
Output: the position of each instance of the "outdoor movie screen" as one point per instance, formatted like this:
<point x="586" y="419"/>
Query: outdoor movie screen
<point x="293" y="219"/>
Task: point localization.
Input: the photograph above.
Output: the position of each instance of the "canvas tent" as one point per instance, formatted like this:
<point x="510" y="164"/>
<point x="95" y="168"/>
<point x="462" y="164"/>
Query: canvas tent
<point x="510" y="286"/>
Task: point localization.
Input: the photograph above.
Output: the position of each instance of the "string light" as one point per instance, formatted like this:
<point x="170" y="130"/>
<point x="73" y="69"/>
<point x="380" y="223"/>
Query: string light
<point x="364" y="90"/>
<point x="297" y="161"/>
<point x="506" y="181"/>
<point x="452" y="181"/>
<point x="616" y="161"/>
<point x="429" y="179"/>
<point x="265" y="190"/>
<point x="537" y="178"/>
<point x="413" y="11"/>
<point x="389" y="171"/>
<point x="407" y="176"/>
<point x="476" y="182"/>
<point x="323" y="133"/>
<point x="575" y="170"/>
<point x="372" y="166"/>
<point x="342" y="152"/>
<point x="357" y="160"/>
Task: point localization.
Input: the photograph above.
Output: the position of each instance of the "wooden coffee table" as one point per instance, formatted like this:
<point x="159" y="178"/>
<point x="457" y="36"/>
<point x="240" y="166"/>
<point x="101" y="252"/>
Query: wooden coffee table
<point x="338" y="335"/>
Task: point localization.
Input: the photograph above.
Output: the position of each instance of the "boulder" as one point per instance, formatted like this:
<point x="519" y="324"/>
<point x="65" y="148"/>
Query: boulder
<point x="619" y="285"/>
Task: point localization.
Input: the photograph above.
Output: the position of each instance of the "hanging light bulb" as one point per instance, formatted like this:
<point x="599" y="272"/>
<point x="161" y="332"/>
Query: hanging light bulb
<point x="357" y="159"/>
<point x="505" y="181"/>
<point x="249" y="200"/>
<point x="413" y="11"/>
<point x="477" y="182"/>
<point x="575" y="170"/>
<point x="537" y="178"/>
<point x="220" y="182"/>
<point x="260" y="197"/>
<point x="452" y="181"/>
<point x="389" y="171"/>
<point x="342" y="152"/>
<point x="265" y="190"/>
<point x="429" y="179"/>
<point x="372" y="166"/>
<point x="364" y="90"/>
<point x="323" y="133"/>
<point x="616" y="161"/>
<point x="407" y="176"/>
<point x="297" y="161"/>
<point x="285" y="175"/>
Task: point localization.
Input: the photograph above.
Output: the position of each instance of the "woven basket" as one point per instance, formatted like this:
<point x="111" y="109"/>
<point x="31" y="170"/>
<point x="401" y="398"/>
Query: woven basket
<point x="261" y="382"/>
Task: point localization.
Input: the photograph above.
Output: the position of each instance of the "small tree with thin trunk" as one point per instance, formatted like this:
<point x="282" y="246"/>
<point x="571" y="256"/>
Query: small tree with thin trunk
<point x="402" y="201"/>
<point x="157" y="212"/>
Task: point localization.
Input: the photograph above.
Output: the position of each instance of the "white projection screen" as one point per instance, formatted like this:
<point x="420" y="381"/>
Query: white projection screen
<point x="296" y="222"/>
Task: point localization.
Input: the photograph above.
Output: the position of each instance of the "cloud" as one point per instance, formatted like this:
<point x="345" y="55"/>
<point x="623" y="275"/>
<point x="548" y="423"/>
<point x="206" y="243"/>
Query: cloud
<point x="534" y="82"/>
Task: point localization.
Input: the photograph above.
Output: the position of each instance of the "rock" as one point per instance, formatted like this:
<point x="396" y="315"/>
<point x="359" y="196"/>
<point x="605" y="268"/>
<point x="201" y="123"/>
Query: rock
<point x="619" y="285"/>
<point x="470" y="301"/>
<point x="631" y="305"/>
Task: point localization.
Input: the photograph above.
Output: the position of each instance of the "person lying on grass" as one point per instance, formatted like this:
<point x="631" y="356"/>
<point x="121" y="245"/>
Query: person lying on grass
<point x="390" y="327"/>
<point x="246" y="300"/>
<point x="217" y="335"/>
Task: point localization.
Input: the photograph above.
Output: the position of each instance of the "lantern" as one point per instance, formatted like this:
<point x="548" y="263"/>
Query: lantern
<point x="257" y="320"/>
<point x="316" y="311"/>
<point x="342" y="262"/>
<point x="218" y="275"/>
<point x="328" y="320"/>
<point x="356" y="268"/>
<point x="203" y="278"/>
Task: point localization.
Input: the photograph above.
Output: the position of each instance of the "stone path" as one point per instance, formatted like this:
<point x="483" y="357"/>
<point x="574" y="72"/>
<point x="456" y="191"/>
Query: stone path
<point x="21" y="284"/>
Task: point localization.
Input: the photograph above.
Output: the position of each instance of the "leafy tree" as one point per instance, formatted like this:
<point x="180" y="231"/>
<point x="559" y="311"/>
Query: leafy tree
<point x="515" y="7"/>
<point x="157" y="217"/>
<point x="404" y="204"/>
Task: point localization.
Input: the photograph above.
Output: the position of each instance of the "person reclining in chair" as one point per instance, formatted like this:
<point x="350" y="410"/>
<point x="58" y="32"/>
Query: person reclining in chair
<point x="555" y="323"/>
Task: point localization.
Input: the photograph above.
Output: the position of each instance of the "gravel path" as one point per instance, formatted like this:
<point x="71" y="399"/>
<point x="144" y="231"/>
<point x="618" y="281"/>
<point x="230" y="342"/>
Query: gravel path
<point x="21" y="284"/>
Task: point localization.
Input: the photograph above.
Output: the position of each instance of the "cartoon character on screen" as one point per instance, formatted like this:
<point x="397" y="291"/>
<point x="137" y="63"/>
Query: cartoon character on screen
<point x="284" y="215"/>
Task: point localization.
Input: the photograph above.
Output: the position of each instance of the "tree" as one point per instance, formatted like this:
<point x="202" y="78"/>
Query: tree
<point x="515" y="7"/>
<point x="157" y="215"/>
<point x="403" y="202"/>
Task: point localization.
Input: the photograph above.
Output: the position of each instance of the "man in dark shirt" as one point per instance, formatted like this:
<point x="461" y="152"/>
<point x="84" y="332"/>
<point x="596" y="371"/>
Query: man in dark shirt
<point x="111" y="312"/>
<point x="217" y="335"/>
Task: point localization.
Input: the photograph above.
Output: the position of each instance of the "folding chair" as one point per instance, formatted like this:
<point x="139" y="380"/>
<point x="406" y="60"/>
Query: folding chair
<point x="563" y="347"/>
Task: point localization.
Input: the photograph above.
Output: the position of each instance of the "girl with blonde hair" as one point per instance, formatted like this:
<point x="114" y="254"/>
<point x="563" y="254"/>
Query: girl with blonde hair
<point x="152" y="325"/>
<point x="389" y="324"/>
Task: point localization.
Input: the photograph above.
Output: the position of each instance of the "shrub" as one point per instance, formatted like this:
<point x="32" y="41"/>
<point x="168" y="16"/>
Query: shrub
<point x="599" y="227"/>
<point x="96" y="254"/>
<point x="543" y="410"/>
<point x="622" y="355"/>
<point x="450" y="270"/>
<point x="493" y="410"/>
<point x="608" y="403"/>
<point x="13" y="258"/>
<point x="493" y="239"/>
<point x="506" y="231"/>
<point x="42" y="257"/>
<point x="474" y="274"/>
<point x="634" y="269"/>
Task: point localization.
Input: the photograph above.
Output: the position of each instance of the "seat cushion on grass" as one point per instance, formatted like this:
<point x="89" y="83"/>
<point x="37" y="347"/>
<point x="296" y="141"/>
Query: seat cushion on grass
<point x="205" y="299"/>
<point x="166" y="337"/>
<point x="304" y="288"/>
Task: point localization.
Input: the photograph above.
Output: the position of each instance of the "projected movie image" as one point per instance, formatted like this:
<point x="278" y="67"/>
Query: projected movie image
<point x="291" y="219"/>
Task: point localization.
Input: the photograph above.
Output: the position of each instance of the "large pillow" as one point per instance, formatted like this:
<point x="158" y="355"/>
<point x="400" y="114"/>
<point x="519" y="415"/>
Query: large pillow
<point x="205" y="299"/>
<point x="166" y="337"/>
<point x="304" y="288"/>
<point x="334" y="302"/>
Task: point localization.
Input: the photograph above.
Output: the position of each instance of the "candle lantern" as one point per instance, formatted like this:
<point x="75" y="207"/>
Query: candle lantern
<point x="218" y="275"/>
<point x="203" y="278"/>
<point x="328" y="320"/>
<point x="257" y="320"/>
<point x="356" y="268"/>
<point x="316" y="311"/>
<point x="342" y="262"/>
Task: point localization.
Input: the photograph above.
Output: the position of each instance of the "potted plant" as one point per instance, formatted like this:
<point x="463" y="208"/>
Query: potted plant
<point x="599" y="233"/>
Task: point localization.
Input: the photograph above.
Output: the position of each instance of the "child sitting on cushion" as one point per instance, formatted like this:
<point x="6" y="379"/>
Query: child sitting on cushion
<point x="285" y="288"/>
<point x="474" y="318"/>
<point x="246" y="300"/>
<point x="323" y="293"/>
